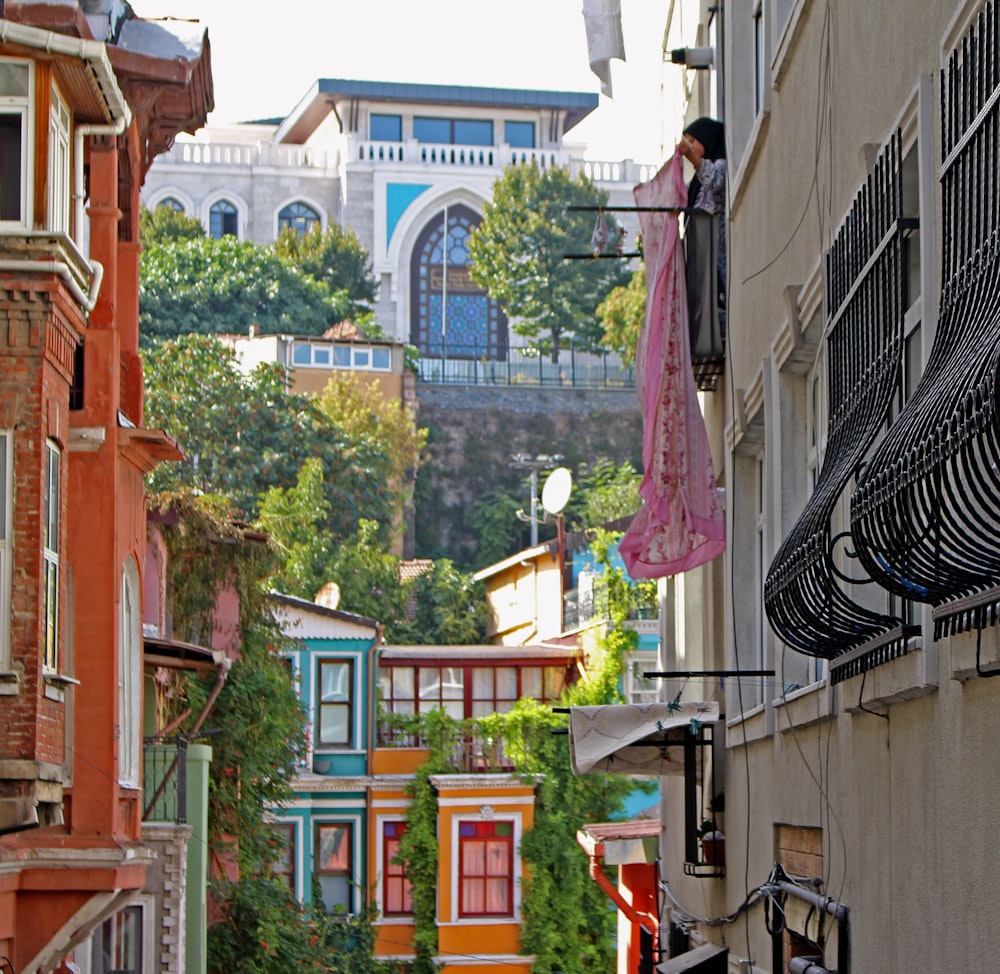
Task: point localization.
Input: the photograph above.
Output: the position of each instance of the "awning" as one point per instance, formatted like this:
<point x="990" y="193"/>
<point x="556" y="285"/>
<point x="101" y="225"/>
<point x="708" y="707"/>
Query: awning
<point x="634" y="738"/>
<point x="706" y="959"/>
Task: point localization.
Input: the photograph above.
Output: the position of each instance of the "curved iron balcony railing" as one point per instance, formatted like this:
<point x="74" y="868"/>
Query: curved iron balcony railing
<point x="808" y="591"/>
<point x="926" y="511"/>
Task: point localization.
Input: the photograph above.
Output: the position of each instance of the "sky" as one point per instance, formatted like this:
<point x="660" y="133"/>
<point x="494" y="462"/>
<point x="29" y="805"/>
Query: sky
<point x="266" y="56"/>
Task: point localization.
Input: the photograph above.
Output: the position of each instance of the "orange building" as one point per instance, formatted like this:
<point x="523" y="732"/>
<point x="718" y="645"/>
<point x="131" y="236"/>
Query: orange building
<point x="88" y="101"/>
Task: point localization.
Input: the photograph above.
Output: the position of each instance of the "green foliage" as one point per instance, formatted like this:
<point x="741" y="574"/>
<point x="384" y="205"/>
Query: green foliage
<point x="164" y="225"/>
<point x="265" y="930"/>
<point x="368" y="576"/>
<point x="518" y="254"/>
<point x="493" y="518"/>
<point x="249" y="434"/>
<point x="622" y="313"/>
<point x="207" y="286"/>
<point x="605" y="493"/>
<point x="451" y="609"/>
<point x="336" y="258"/>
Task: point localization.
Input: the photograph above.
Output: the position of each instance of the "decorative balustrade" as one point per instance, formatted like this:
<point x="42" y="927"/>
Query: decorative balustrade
<point x="469" y="753"/>
<point x="249" y="154"/>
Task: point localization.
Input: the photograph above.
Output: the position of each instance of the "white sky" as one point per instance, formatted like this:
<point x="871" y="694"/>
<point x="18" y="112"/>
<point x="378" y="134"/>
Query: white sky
<point x="265" y="56"/>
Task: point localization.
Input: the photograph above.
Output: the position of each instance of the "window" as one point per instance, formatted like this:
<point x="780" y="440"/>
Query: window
<point x="58" y="189"/>
<point x="494" y="689"/>
<point x="299" y="217"/>
<point x="336" y="683"/>
<point x="342" y="356"/>
<point x="486" y="868"/>
<point x="129" y="679"/>
<point x="441" y="687"/>
<point x="15" y="120"/>
<point x="519" y="135"/>
<point x="284" y="865"/>
<point x="334" y="864"/>
<point x="117" y="944"/>
<point x="386" y="128"/>
<point x="450" y="314"/>
<point x="171" y="203"/>
<point x="222" y="220"/>
<point x="759" y="57"/>
<point x="453" y="131"/>
<point x="6" y="513"/>
<point x="397" y="893"/>
<point x="50" y="558"/>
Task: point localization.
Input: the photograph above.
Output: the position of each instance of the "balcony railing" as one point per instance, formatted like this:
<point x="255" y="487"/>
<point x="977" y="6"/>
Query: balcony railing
<point x="164" y="779"/>
<point x="475" y="365"/>
<point x="468" y="753"/>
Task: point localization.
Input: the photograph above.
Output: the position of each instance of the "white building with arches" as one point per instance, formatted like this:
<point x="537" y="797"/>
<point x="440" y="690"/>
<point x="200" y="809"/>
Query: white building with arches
<point x="408" y="168"/>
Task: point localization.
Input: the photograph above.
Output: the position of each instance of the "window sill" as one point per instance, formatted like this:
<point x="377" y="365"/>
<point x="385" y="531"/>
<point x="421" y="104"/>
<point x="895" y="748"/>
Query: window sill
<point x="56" y="684"/>
<point x="804" y="707"/>
<point x="904" y="678"/>
<point x="10" y="683"/>
<point x="751" y="726"/>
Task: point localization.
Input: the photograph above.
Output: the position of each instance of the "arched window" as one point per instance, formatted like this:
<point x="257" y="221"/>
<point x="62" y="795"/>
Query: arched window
<point x="451" y="315"/>
<point x="129" y="677"/>
<point x="299" y="217"/>
<point x="171" y="203"/>
<point x="222" y="220"/>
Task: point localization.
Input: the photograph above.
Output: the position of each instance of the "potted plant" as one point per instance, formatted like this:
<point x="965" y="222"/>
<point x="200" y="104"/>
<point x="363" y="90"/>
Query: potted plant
<point x="713" y="843"/>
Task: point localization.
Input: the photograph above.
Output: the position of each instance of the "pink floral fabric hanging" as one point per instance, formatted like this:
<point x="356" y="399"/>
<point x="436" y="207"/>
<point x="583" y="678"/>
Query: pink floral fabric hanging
<point x="680" y="524"/>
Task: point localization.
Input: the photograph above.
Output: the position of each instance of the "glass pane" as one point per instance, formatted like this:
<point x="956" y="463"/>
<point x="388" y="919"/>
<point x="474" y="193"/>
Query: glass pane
<point x="482" y="683"/>
<point x="453" y="686"/>
<point x="52" y="501"/>
<point x="482" y="708"/>
<point x="333" y="852"/>
<point x="380" y="358"/>
<point x="403" y="682"/>
<point x="474" y="858"/>
<point x="302" y="354"/>
<point x="341" y="356"/>
<point x="473" y="132"/>
<point x="506" y="683"/>
<point x="473" y="896"/>
<point x="531" y="682"/>
<point x="454" y="709"/>
<point x="497" y="896"/>
<point x="361" y="358"/>
<point x="430" y="683"/>
<point x="432" y="129"/>
<point x="10" y="166"/>
<point x="555" y="681"/>
<point x="13" y="79"/>
<point x="335" y="681"/>
<point x="386" y="128"/>
<point x="333" y="726"/>
<point x="321" y="355"/>
<point x="496" y="857"/>
<point x="521" y="135"/>
<point x="336" y="891"/>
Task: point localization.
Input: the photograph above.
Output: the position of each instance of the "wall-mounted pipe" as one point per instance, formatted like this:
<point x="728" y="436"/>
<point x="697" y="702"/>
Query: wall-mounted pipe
<point x="648" y="922"/>
<point x="828" y="905"/>
<point x="62" y="269"/>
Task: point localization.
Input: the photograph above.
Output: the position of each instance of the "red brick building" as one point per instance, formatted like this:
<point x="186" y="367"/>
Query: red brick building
<point x="87" y="100"/>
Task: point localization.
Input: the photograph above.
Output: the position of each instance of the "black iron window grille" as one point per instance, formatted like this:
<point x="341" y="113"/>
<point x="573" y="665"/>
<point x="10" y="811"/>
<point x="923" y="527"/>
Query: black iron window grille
<point x="809" y="592"/>
<point x="926" y="512"/>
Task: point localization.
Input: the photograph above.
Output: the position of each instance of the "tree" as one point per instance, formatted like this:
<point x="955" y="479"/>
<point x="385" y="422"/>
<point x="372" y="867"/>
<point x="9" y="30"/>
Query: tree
<point x="164" y="225"/>
<point x="604" y="493"/>
<point x="368" y="577"/>
<point x="450" y="609"/>
<point x="360" y="410"/>
<point x="208" y="286"/>
<point x="519" y="254"/>
<point x="622" y="313"/>
<point x="249" y="434"/>
<point x="336" y="258"/>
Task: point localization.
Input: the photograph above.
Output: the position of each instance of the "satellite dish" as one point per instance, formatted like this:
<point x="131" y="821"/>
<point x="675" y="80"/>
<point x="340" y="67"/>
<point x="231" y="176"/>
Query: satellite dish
<point x="328" y="596"/>
<point x="556" y="491"/>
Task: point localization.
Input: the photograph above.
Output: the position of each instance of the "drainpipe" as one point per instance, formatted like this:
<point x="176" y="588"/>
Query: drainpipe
<point x="828" y="905"/>
<point x="79" y="134"/>
<point x="644" y="920"/>
<point x="62" y="269"/>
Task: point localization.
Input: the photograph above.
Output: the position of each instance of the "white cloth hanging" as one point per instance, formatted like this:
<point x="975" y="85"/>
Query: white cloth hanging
<point x="603" y="19"/>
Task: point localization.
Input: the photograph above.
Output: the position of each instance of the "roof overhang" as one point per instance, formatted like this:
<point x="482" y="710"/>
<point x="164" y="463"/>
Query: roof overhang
<point x="636" y="842"/>
<point x="494" y="654"/>
<point x="326" y="93"/>
<point x="176" y="655"/>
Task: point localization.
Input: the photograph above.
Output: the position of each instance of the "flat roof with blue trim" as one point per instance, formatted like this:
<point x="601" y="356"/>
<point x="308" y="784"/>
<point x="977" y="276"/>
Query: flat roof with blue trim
<point x="304" y="118"/>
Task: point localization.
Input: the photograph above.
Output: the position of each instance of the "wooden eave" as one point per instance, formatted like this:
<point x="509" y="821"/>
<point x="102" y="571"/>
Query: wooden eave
<point x="63" y="18"/>
<point x="146" y="448"/>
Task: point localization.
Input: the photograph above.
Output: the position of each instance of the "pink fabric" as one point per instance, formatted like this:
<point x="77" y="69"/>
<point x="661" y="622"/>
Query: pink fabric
<point x="680" y="524"/>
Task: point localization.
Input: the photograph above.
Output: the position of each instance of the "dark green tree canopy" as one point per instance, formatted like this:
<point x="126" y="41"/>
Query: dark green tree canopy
<point x="519" y="251"/>
<point x="336" y="258"/>
<point x="243" y="434"/>
<point x="208" y="286"/>
<point x="164" y="225"/>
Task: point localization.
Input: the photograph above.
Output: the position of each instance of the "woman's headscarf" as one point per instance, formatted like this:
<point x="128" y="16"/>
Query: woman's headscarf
<point x="711" y="134"/>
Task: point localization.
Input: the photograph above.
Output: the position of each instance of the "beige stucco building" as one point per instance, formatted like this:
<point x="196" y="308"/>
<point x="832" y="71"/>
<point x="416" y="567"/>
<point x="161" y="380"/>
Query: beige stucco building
<point x="854" y="435"/>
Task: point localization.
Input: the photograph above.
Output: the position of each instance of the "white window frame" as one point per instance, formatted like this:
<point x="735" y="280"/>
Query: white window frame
<point x="51" y="517"/>
<point x="517" y="870"/>
<point x="129" y="677"/>
<point x="356" y="355"/>
<point x="23" y="106"/>
<point x="58" y="189"/>
<point x="6" y="546"/>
